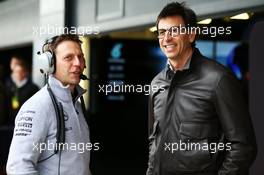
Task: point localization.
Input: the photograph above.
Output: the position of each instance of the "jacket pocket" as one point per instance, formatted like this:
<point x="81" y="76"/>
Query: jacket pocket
<point x="194" y="147"/>
<point x="198" y="131"/>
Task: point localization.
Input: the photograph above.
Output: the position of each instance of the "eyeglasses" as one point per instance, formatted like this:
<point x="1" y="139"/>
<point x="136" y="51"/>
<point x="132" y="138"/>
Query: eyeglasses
<point x="173" y="31"/>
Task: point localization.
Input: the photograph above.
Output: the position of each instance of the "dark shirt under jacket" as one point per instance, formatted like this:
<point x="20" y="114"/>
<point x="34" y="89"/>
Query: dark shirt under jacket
<point x="22" y="94"/>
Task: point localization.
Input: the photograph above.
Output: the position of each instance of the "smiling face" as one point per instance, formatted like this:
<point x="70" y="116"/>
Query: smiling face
<point x="69" y="63"/>
<point x="177" y="47"/>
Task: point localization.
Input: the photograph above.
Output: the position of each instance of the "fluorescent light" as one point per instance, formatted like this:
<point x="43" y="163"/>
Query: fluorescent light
<point x="242" y="16"/>
<point x="153" y="29"/>
<point x="205" y="21"/>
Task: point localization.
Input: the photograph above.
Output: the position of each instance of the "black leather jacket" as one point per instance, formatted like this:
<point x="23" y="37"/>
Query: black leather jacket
<point x="203" y="105"/>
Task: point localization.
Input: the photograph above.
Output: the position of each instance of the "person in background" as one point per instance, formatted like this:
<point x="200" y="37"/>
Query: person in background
<point x="18" y="88"/>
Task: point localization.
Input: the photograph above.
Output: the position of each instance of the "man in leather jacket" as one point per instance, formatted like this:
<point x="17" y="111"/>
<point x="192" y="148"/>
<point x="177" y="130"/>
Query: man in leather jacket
<point x="199" y="120"/>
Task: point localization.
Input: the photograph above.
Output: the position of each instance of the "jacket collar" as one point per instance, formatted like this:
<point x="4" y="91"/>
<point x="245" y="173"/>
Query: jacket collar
<point x="190" y="64"/>
<point x="62" y="92"/>
<point x="186" y="66"/>
<point x="195" y="58"/>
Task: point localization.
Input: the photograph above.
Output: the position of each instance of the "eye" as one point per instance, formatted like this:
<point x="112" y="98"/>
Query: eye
<point x="68" y="58"/>
<point x="80" y="56"/>
<point x="174" y="30"/>
<point x="161" y="31"/>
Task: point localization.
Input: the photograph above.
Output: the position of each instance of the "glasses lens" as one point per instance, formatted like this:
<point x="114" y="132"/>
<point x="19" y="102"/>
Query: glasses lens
<point x="161" y="33"/>
<point x="174" y="31"/>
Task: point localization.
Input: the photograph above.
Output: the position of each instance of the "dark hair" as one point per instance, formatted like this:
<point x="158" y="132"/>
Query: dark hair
<point x="178" y="9"/>
<point x="63" y="37"/>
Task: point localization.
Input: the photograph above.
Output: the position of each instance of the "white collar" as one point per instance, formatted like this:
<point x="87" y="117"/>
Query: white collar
<point x="63" y="92"/>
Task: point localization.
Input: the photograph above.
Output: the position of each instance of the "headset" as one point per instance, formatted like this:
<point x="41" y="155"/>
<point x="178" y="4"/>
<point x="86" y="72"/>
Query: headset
<point x="47" y="60"/>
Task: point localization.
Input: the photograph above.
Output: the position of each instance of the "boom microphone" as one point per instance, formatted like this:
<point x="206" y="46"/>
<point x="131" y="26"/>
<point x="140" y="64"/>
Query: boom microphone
<point x="83" y="77"/>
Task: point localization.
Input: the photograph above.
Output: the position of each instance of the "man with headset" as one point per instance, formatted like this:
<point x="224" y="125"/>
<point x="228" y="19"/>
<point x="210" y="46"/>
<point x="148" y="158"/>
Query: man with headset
<point x="50" y="127"/>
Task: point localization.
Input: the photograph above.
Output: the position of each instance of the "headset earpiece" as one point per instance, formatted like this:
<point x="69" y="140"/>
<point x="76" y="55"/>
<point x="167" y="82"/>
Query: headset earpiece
<point x="47" y="62"/>
<point x="47" y="58"/>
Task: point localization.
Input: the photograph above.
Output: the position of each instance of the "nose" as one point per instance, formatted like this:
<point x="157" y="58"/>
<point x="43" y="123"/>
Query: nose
<point x="77" y="61"/>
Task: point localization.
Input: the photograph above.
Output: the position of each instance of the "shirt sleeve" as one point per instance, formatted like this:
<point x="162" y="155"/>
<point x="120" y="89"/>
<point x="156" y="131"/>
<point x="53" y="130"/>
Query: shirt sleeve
<point x="151" y="127"/>
<point x="31" y="128"/>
